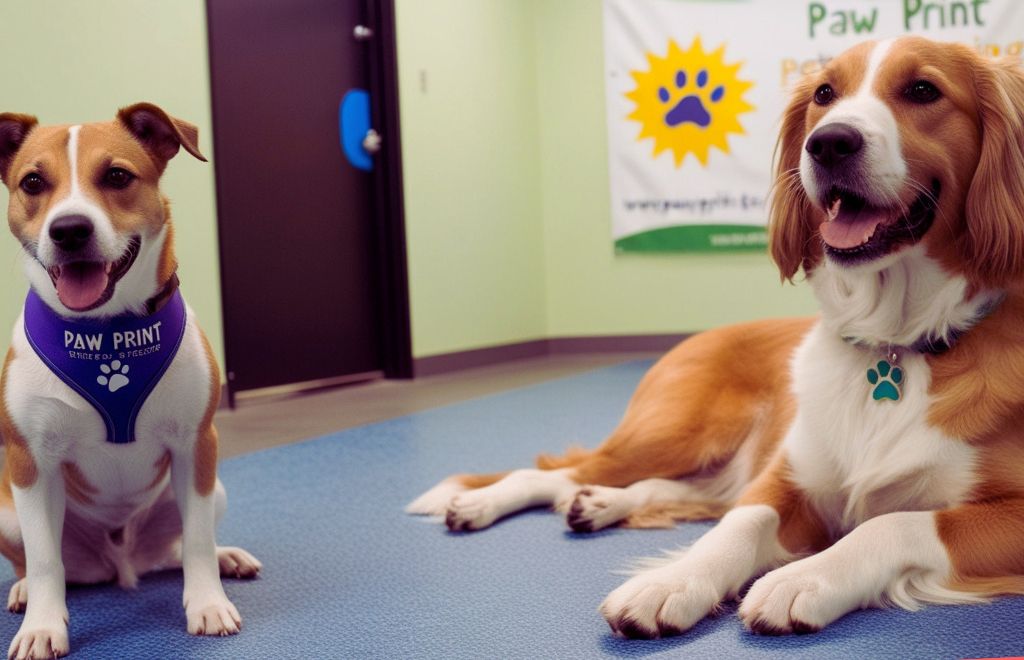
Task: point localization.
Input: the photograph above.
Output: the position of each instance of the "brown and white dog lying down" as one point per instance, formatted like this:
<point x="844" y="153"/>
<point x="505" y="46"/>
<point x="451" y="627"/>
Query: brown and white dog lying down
<point x="90" y="493"/>
<point x="873" y="455"/>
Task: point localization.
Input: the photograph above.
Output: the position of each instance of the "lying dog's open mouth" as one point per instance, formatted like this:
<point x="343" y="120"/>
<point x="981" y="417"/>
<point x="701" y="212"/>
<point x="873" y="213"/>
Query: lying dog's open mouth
<point x="85" y="285"/>
<point x="855" y="231"/>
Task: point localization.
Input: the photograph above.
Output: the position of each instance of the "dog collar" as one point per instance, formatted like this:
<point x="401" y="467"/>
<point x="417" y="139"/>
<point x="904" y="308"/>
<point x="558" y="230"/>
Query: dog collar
<point x="113" y="363"/>
<point x="886" y="377"/>
<point x="927" y="344"/>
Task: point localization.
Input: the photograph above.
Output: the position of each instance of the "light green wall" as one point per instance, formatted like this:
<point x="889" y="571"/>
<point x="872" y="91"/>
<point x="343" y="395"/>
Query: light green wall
<point x="510" y="137"/>
<point x="73" y="62"/>
<point x="470" y="149"/>
<point x="590" y="290"/>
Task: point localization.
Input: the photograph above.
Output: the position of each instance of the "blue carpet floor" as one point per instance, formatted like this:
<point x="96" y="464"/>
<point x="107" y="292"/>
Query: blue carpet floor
<point x="348" y="575"/>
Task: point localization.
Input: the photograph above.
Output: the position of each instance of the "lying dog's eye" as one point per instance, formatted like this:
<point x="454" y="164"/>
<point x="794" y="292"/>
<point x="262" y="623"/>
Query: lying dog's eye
<point x="33" y="184"/>
<point x="922" y="91"/>
<point x="824" y="94"/>
<point x="118" y="178"/>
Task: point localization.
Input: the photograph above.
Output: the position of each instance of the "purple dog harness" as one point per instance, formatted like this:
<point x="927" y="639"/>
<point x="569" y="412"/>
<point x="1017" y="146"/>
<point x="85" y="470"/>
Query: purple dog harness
<point x="114" y="363"/>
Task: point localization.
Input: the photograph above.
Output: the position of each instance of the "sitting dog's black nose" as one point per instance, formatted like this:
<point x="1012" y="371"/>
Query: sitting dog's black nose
<point x="833" y="143"/>
<point x="71" y="232"/>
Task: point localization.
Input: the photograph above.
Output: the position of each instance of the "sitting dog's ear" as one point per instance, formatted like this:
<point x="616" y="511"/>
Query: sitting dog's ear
<point x="159" y="132"/>
<point x="14" y="128"/>
<point x="994" y="245"/>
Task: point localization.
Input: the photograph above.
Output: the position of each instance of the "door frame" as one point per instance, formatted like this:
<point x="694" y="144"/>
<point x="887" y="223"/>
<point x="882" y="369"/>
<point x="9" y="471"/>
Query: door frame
<point x="393" y="274"/>
<point x="388" y="199"/>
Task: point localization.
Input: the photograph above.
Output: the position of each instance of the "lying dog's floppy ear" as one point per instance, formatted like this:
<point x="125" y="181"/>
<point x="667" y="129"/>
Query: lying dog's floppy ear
<point x="14" y="128"/>
<point x="159" y="132"/>
<point x="789" y="235"/>
<point x="993" y="249"/>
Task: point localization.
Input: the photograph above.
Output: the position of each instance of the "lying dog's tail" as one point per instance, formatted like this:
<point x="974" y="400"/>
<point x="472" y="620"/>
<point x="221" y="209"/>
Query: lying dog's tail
<point x="990" y="587"/>
<point x="665" y="515"/>
<point x="472" y="481"/>
<point x="435" y="501"/>
<point x="573" y="456"/>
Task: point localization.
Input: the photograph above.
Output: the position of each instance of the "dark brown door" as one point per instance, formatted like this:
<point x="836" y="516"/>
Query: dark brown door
<point x="301" y="289"/>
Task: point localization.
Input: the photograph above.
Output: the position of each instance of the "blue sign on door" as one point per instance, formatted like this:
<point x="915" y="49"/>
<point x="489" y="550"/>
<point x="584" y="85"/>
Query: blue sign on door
<point x="353" y="124"/>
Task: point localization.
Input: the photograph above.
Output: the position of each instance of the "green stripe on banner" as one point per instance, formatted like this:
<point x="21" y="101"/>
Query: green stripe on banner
<point x="697" y="238"/>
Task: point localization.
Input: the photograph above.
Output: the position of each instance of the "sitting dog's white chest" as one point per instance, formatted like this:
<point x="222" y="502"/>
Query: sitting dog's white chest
<point x="859" y="456"/>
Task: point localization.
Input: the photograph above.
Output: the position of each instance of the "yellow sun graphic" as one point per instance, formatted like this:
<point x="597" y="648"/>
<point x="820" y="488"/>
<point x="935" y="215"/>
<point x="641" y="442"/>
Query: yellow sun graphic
<point x="689" y="101"/>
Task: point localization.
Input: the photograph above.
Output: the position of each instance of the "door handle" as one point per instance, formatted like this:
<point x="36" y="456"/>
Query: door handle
<point x="371" y="142"/>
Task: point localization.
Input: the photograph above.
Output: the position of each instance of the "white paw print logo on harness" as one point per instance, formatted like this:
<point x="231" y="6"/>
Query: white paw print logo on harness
<point x="113" y="376"/>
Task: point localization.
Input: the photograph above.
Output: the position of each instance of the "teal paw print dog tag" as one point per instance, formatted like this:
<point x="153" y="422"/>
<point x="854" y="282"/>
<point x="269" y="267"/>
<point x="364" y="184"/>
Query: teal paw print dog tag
<point x="887" y="380"/>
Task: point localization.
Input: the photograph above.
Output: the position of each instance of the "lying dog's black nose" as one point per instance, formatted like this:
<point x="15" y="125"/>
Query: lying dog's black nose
<point x="71" y="232"/>
<point x="833" y="143"/>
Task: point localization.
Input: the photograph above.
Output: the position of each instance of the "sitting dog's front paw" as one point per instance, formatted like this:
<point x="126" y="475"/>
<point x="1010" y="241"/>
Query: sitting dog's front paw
<point x="659" y="603"/>
<point x="798" y="598"/>
<point x="38" y="640"/>
<point x="215" y="616"/>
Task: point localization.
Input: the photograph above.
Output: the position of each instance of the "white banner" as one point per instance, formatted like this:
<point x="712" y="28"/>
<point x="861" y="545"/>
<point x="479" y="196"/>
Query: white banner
<point x="696" y="88"/>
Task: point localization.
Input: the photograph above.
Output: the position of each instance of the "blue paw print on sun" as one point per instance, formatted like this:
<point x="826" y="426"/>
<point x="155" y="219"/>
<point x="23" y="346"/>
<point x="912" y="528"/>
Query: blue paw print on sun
<point x="886" y="380"/>
<point x="689" y="101"/>
<point x="691" y="108"/>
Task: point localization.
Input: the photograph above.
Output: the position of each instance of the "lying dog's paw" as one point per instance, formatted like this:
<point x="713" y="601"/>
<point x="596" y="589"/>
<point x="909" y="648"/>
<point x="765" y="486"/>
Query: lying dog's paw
<point x="659" y="603"/>
<point x="40" y="640"/>
<point x="237" y="563"/>
<point x="471" y="511"/>
<point x="17" y="597"/>
<point x="215" y="616"/>
<point x="596" y="507"/>
<point x="435" y="501"/>
<point x="797" y="598"/>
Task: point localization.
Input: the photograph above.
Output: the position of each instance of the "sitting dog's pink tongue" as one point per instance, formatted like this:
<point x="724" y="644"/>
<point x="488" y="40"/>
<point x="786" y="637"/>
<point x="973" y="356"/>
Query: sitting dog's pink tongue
<point x="81" y="284"/>
<point x="849" y="231"/>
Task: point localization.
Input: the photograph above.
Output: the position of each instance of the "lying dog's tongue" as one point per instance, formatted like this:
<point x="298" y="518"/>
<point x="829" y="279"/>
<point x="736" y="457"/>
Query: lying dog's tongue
<point x="81" y="284"/>
<point x="849" y="230"/>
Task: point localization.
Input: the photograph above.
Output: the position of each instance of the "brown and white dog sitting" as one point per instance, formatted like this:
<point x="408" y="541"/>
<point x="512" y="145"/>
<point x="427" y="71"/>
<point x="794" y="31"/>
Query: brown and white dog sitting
<point x="74" y="506"/>
<point x="874" y="455"/>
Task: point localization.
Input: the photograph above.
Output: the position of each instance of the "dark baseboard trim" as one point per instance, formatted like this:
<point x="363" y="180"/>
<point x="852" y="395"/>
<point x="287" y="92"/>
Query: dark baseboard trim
<point x="481" y="357"/>
<point x="614" y="343"/>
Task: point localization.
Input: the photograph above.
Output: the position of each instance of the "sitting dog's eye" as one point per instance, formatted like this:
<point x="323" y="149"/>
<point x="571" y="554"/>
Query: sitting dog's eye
<point x="824" y="94"/>
<point x="118" y="178"/>
<point x="33" y="184"/>
<point x="922" y="91"/>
